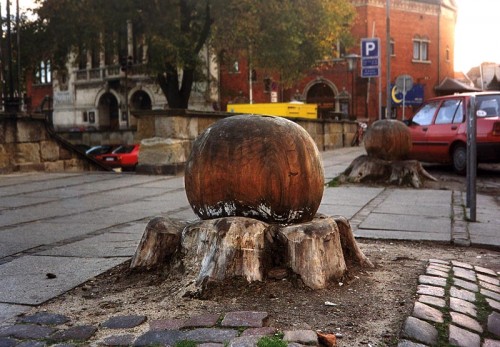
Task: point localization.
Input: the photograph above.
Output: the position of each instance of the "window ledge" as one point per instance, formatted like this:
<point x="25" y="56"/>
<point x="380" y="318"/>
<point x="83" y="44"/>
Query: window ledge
<point x="421" y="61"/>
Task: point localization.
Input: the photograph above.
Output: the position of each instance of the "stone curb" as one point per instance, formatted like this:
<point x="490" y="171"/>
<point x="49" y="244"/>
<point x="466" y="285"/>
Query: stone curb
<point x="457" y="304"/>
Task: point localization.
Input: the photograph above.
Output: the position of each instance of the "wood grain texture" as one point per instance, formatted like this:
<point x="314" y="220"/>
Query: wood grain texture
<point x="388" y="139"/>
<point x="267" y="168"/>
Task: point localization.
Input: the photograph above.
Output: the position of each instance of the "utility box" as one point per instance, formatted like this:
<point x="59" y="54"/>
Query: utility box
<point x="292" y="110"/>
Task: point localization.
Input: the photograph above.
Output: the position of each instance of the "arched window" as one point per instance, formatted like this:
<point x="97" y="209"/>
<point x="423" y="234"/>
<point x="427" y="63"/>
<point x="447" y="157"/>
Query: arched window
<point x="420" y="49"/>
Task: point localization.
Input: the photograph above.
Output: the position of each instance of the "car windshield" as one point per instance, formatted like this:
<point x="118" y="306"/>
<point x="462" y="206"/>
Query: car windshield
<point x="124" y="149"/>
<point x="490" y="104"/>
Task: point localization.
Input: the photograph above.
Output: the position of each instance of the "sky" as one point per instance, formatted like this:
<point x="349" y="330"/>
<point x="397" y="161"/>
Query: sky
<point x="475" y="34"/>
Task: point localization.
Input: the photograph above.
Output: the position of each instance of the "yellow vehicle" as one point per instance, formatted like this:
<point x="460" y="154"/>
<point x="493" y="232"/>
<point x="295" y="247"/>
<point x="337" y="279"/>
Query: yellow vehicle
<point x="292" y="109"/>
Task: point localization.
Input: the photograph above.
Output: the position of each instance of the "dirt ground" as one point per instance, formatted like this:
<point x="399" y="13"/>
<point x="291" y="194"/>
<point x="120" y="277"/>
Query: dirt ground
<point x="367" y="308"/>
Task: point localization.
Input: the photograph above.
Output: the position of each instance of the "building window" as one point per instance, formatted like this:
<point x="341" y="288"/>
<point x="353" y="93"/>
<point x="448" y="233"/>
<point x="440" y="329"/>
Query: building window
<point x="420" y="49"/>
<point x="393" y="48"/>
<point x="43" y="73"/>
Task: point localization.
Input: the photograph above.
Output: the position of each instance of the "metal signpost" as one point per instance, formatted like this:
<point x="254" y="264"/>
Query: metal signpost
<point x="471" y="159"/>
<point x="404" y="83"/>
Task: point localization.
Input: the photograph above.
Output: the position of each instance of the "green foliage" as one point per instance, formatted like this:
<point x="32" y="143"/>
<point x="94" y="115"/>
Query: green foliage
<point x="285" y="36"/>
<point x="185" y="343"/>
<point x="271" y="341"/>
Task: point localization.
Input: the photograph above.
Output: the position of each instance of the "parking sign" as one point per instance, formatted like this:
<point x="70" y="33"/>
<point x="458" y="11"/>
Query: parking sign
<point x="370" y="57"/>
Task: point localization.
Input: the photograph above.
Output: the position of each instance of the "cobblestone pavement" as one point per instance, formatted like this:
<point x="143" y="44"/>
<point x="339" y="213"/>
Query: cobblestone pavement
<point x="457" y="305"/>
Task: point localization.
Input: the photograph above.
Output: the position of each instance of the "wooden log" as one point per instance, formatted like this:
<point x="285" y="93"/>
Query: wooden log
<point x="350" y="247"/>
<point x="262" y="167"/>
<point x="314" y="251"/>
<point x="366" y="169"/>
<point x="161" y="240"/>
<point x="388" y="139"/>
<point x="223" y="248"/>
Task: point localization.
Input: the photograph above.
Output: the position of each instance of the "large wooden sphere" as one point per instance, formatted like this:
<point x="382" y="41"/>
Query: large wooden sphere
<point x="267" y="168"/>
<point x="388" y="139"/>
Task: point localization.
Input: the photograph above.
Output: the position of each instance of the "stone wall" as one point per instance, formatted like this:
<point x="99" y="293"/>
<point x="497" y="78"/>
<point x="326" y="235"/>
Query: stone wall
<point x="27" y="145"/>
<point x="166" y="137"/>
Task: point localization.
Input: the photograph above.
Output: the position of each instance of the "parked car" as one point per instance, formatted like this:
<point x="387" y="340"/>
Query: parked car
<point x="99" y="150"/>
<point x="125" y="157"/>
<point x="438" y="129"/>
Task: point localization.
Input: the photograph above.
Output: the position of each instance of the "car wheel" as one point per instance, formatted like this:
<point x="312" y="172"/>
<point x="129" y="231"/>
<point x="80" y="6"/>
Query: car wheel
<point x="459" y="159"/>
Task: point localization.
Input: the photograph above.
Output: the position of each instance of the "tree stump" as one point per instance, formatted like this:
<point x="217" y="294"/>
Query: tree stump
<point x="213" y="250"/>
<point x="387" y="143"/>
<point x="262" y="167"/>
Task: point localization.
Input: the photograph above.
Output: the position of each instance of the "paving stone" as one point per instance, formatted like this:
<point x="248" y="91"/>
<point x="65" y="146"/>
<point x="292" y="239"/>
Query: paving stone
<point x="63" y="345"/>
<point x="205" y="320"/>
<point x="494" y="323"/>
<point x="244" y="341"/>
<point x="439" y="267"/>
<point x="26" y="331"/>
<point x="154" y="338"/>
<point x="211" y="335"/>
<point x="491" y="343"/>
<point x="32" y="344"/>
<point x="210" y="344"/>
<point x="439" y="261"/>
<point x="119" y="340"/>
<point x="406" y="343"/>
<point x="490" y="294"/>
<point x="463" y="338"/>
<point x="425" y="289"/>
<point x="435" y="272"/>
<point x="426" y="312"/>
<point x="45" y="318"/>
<point x="264" y="331"/>
<point x="494" y="304"/>
<point x="468" y="275"/>
<point x="460" y="264"/>
<point x="485" y="271"/>
<point x="166" y="324"/>
<point x="417" y="329"/>
<point x="78" y="333"/>
<point x="462" y="294"/>
<point x="124" y="322"/>
<point x="432" y="300"/>
<point x="489" y="279"/>
<point x="432" y="280"/>
<point x="7" y="342"/>
<point x="463" y="306"/>
<point x="489" y="286"/>
<point x="466" y="285"/>
<point x="305" y="337"/>
<point x="251" y="319"/>
<point x="466" y="321"/>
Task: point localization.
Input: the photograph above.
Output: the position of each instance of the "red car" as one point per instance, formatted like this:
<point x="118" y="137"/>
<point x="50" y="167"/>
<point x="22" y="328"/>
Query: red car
<point x="125" y="157"/>
<point x="438" y="130"/>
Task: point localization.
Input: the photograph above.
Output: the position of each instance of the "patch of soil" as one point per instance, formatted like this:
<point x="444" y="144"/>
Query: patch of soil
<point x="368" y="307"/>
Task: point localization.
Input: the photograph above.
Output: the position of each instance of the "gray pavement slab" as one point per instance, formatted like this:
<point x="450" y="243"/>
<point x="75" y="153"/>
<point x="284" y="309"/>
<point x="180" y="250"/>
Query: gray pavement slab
<point x="379" y="234"/>
<point x="100" y="246"/>
<point x="9" y="311"/>
<point x="25" y="281"/>
<point x="349" y="195"/>
<point x="385" y="221"/>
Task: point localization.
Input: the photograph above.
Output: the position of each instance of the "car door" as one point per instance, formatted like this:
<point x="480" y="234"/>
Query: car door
<point x="419" y="126"/>
<point x="444" y="129"/>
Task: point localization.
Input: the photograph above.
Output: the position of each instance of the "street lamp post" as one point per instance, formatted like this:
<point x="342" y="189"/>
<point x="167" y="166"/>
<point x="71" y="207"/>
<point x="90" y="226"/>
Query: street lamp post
<point x="352" y="60"/>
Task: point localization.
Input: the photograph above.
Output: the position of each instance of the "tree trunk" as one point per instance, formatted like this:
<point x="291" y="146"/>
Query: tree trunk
<point x="403" y="173"/>
<point x="216" y="249"/>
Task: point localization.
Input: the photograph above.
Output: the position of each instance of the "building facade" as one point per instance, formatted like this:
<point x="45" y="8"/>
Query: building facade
<point x="421" y="46"/>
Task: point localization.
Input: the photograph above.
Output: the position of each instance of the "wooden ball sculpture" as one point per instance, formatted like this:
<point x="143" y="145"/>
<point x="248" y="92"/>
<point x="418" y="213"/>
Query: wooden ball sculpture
<point x="388" y="139"/>
<point x="263" y="167"/>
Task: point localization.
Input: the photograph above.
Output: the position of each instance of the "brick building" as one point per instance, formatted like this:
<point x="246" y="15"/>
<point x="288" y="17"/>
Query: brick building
<point x="422" y="46"/>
